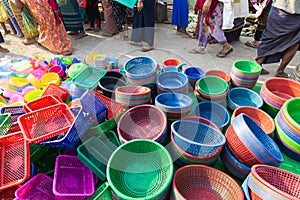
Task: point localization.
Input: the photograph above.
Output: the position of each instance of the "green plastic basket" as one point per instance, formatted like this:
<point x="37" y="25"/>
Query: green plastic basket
<point x="102" y="193"/>
<point x="5" y="123"/>
<point x="291" y="143"/>
<point x="291" y="110"/>
<point x="140" y="169"/>
<point x="212" y="85"/>
<point x="96" y="151"/>
<point x="88" y="78"/>
<point x="247" y="67"/>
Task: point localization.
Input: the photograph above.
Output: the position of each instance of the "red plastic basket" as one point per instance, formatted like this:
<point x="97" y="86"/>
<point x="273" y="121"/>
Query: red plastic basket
<point x="55" y="90"/>
<point x="9" y="193"/>
<point x="46" y="123"/>
<point x="37" y="188"/>
<point x="113" y="107"/>
<point x="14" y="128"/>
<point x="14" y="160"/>
<point x="42" y="102"/>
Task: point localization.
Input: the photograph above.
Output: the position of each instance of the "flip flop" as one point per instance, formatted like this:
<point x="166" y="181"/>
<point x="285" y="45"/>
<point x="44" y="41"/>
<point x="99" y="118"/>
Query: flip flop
<point x="146" y="49"/>
<point x="89" y="29"/>
<point x="222" y="55"/>
<point x="250" y="44"/>
<point x="81" y="35"/>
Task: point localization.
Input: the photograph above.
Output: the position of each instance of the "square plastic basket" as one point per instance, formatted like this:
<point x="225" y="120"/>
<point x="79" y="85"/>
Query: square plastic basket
<point x="72" y="178"/>
<point x="5" y="123"/>
<point x="96" y="151"/>
<point x="14" y="160"/>
<point x="14" y="111"/>
<point x="37" y="188"/>
<point x="88" y="78"/>
<point x="55" y="90"/>
<point x="46" y="123"/>
<point x="40" y="103"/>
<point x="92" y="105"/>
<point x="70" y="139"/>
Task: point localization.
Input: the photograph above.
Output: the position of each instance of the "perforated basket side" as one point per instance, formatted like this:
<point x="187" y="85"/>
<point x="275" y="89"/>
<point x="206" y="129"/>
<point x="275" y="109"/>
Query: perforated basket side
<point x="5" y="123"/>
<point x="15" y="111"/>
<point x="41" y="102"/>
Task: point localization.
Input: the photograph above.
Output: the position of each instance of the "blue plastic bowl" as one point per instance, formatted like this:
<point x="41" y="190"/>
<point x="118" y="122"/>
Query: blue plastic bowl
<point x="173" y="102"/>
<point x="214" y="112"/>
<point x="140" y="67"/>
<point x="171" y="81"/>
<point x="243" y="97"/>
<point x="194" y="73"/>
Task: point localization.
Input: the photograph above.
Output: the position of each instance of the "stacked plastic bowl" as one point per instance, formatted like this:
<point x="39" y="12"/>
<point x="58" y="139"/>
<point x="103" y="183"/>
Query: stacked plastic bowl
<point x="288" y="128"/>
<point x="276" y="91"/>
<point x="141" y="71"/>
<point x="194" y="74"/>
<point x="211" y="88"/>
<point x="133" y="95"/>
<point x="250" y="145"/>
<point x="172" y="82"/>
<point x="219" y="73"/>
<point x="245" y="73"/>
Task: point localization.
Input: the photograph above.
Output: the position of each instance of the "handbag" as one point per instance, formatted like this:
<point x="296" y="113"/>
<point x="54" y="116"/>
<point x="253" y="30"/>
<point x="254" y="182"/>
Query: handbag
<point x="18" y="4"/>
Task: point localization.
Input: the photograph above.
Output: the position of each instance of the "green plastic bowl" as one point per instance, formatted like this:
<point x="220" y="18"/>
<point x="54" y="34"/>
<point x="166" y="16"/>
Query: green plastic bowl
<point x="212" y="85"/>
<point x="140" y="169"/>
<point x="291" y="110"/>
<point x="247" y="67"/>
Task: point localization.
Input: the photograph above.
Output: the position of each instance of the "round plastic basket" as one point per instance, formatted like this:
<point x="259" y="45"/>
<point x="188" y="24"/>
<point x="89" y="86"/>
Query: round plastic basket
<point x="194" y="181"/>
<point x="140" y="67"/>
<point x="140" y="169"/>
<point x="212" y="85"/>
<point x="290" y="111"/>
<point x="171" y="62"/>
<point x="194" y="73"/>
<point x="285" y="148"/>
<point x="214" y="112"/>
<point x="250" y="144"/>
<point x="268" y="182"/>
<point x="197" y="138"/>
<point x="220" y="74"/>
<point x="260" y="117"/>
<point x="133" y="95"/>
<point x="247" y="67"/>
<point x="243" y="97"/>
<point x="108" y="85"/>
<point x="142" y="122"/>
<point x="172" y="82"/>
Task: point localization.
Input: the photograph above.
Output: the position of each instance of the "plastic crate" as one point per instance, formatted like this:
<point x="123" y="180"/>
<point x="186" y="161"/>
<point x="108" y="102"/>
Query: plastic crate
<point x="88" y="78"/>
<point x="15" y="160"/>
<point x="94" y="106"/>
<point x="55" y="90"/>
<point x="70" y="139"/>
<point x="5" y="123"/>
<point x="102" y="193"/>
<point x="71" y="178"/>
<point x="14" y="111"/>
<point x="46" y="123"/>
<point x="37" y="188"/>
<point x="40" y="103"/>
<point x="95" y="153"/>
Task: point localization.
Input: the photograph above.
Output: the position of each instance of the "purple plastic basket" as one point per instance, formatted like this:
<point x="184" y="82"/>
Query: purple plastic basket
<point x="72" y="179"/>
<point x="15" y="111"/>
<point x="37" y="188"/>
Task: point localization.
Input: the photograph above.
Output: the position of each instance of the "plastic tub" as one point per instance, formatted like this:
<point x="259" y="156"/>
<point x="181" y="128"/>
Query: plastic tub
<point x="140" y="67"/>
<point x="247" y="67"/>
<point x="212" y="85"/>
<point x="172" y="82"/>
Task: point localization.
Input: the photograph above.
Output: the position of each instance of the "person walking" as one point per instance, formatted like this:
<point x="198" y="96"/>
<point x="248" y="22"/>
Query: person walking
<point x="180" y="14"/>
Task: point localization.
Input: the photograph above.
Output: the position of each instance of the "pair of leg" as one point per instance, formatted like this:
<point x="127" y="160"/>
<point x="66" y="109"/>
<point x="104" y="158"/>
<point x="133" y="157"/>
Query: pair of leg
<point x="93" y="13"/>
<point x="288" y="55"/>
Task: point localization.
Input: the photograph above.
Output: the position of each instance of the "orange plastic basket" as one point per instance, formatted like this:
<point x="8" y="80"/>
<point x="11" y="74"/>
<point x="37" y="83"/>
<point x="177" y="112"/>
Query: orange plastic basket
<point x="14" y="160"/>
<point x="113" y="107"/>
<point x="46" y="123"/>
<point x="42" y="102"/>
<point x="55" y="90"/>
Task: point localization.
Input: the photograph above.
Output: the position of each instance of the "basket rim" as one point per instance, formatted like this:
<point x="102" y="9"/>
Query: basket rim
<point x="178" y="74"/>
<point x="161" y="190"/>
<point x="198" y="69"/>
<point x="240" y="191"/>
<point x="27" y="107"/>
<point x="119" y="91"/>
<point x="246" y="72"/>
<point x="196" y="143"/>
<point x="78" y="84"/>
<point x="180" y="95"/>
<point x="134" y="75"/>
<point x="224" y="83"/>
<point x="258" y="104"/>
<point x="286" y="114"/>
<point x="267" y="184"/>
<point x="226" y="75"/>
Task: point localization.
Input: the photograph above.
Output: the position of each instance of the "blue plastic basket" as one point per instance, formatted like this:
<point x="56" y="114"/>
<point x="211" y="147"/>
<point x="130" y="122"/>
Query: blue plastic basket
<point x="172" y="82"/>
<point x="245" y="188"/>
<point x="71" y="138"/>
<point x="91" y="104"/>
<point x="140" y="68"/>
<point x="197" y="138"/>
<point x="15" y="111"/>
<point x="243" y="97"/>
<point x="214" y="112"/>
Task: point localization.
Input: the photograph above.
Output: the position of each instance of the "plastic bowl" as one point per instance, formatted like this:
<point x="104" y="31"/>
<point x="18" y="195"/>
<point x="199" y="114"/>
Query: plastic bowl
<point x="243" y="97"/>
<point x="260" y="117"/>
<point x="194" y="73"/>
<point x="174" y="102"/>
<point x="140" y="67"/>
<point x="108" y="85"/>
<point x="212" y="85"/>
<point x="220" y="74"/>
<point x="247" y="67"/>
<point x="140" y="169"/>
<point x="171" y="62"/>
<point x="172" y="81"/>
<point x="50" y="78"/>
<point x="33" y="95"/>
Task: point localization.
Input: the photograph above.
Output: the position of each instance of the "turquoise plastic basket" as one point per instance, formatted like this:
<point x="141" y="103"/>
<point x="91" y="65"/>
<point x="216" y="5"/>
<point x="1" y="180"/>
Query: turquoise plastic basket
<point x="88" y="78"/>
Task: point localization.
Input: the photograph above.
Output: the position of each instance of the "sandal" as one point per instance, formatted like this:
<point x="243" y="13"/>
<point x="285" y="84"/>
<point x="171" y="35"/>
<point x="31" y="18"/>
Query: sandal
<point x="146" y="49"/>
<point x="251" y="44"/>
<point x="197" y="51"/>
<point x="135" y="43"/>
<point x="3" y="50"/>
<point x="223" y="54"/>
<point x="81" y="35"/>
<point x="26" y="42"/>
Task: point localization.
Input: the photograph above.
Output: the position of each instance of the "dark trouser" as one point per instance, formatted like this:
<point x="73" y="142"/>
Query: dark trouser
<point x="143" y="23"/>
<point x="93" y="13"/>
<point x="258" y="32"/>
<point x="1" y="38"/>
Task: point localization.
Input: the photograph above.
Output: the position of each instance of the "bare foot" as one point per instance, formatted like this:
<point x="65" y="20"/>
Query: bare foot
<point x="263" y="72"/>
<point x="281" y="74"/>
<point x="3" y="50"/>
<point x="199" y="50"/>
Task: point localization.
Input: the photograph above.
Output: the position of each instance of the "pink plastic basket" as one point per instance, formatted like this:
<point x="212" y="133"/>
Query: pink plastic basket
<point x="46" y="123"/>
<point x="72" y="179"/>
<point x="37" y="188"/>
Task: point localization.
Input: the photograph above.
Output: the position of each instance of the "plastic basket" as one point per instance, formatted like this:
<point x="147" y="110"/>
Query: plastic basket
<point x="194" y="181"/>
<point x="94" y="106"/>
<point x="46" y="123"/>
<point x="15" y="160"/>
<point x="59" y="92"/>
<point x="88" y="78"/>
<point x="108" y="85"/>
<point x="291" y="112"/>
<point x="5" y="123"/>
<point x="142" y="122"/>
<point x="71" y="178"/>
<point x="247" y="67"/>
<point x="15" y="112"/>
<point x="219" y="73"/>
<point x="243" y="97"/>
<point x="212" y="85"/>
<point x="43" y="102"/>
<point x="14" y="128"/>
<point x="133" y="95"/>
<point x="95" y="153"/>
<point x="140" y="67"/>
<point x="144" y="162"/>
<point x="172" y="82"/>
<point x="102" y="193"/>
<point x="71" y="138"/>
<point x="9" y="193"/>
<point x="37" y="188"/>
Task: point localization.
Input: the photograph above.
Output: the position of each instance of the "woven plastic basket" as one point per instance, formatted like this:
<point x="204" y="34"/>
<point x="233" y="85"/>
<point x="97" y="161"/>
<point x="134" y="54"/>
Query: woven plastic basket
<point x="59" y="92"/>
<point x="8" y="193"/>
<point x="194" y="181"/>
<point x="219" y="73"/>
<point x="15" y="160"/>
<point x="140" y="67"/>
<point x="88" y="78"/>
<point x="5" y="123"/>
<point x="15" y="112"/>
<point x="43" y="102"/>
<point x="172" y="82"/>
<point x="46" y="123"/>
<point x="243" y="97"/>
<point x="144" y="162"/>
<point x="38" y="187"/>
<point x="212" y="85"/>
